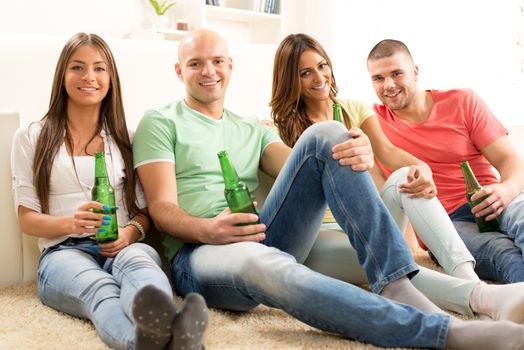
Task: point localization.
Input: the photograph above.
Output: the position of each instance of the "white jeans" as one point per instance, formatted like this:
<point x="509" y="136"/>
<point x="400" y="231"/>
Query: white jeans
<point x="429" y="220"/>
<point x="331" y="255"/>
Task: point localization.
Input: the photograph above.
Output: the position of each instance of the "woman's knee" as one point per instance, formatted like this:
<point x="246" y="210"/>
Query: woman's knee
<point x="138" y="250"/>
<point x="398" y="177"/>
<point x="327" y="133"/>
<point x="390" y="190"/>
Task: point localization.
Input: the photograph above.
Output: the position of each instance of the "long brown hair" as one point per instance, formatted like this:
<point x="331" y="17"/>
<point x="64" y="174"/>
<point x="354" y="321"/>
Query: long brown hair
<point x="287" y="109"/>
<point x="112" y="119"/>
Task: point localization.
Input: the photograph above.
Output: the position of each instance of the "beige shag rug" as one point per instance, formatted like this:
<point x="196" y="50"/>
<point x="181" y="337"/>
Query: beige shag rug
<point x="27" y="324"/>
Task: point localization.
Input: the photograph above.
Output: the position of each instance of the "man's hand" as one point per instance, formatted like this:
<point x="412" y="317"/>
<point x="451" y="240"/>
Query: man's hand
<point x="419" y="183"/>
<point x="223" y="228"/>
<point x="356" y="151"/>
<point x="498" y="198"/>
<point x="268" y="122"/>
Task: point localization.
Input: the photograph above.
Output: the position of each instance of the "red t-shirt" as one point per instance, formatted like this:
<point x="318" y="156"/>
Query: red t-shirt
<point x="459" y="125"/>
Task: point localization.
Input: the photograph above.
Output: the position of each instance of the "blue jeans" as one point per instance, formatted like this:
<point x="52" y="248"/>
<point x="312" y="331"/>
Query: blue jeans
<point x="498" y="254"/>
<point x="242" y="275"/>
<point x="75" y="279"/>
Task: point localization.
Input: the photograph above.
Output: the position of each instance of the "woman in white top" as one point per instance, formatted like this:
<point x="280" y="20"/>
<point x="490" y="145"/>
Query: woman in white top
<point x="119" y="285"/>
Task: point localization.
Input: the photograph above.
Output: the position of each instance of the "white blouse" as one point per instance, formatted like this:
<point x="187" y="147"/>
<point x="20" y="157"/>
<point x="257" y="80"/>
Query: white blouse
<point x="67" y="191"/>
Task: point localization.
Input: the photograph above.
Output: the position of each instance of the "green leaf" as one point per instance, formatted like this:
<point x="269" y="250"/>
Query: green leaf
<point x="161" y="8"/>
<point x="168" y="7"/>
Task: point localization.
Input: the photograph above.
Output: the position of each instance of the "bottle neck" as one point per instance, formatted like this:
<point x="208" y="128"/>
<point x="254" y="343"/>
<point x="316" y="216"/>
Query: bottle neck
<point x="231" y="179"/>
<point x="472" y="185"/>
<point x="101" y="181"/>
<point x="100" y="169"/>
<point x="337" y="113"/>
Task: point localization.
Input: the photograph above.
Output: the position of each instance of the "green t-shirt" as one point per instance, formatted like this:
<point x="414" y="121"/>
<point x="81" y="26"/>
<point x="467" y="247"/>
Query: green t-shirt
<point x="176" y="133"/>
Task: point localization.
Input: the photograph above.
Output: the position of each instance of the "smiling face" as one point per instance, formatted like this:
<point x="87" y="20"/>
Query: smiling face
<point x="394" y="80"/>
<point x="315" y="77"/>
<point x="205" y="67"/>
<point x="86" y="77"/>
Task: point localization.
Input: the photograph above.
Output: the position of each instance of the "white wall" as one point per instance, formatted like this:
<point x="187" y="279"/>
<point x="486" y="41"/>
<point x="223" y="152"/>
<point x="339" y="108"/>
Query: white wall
<point x="146" y="69"/>
<point x="109" y="18"/>
<point x="466" y="43"/>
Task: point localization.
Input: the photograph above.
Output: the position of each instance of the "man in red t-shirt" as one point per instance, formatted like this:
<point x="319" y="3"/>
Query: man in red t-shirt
<point x="444" y="128"/>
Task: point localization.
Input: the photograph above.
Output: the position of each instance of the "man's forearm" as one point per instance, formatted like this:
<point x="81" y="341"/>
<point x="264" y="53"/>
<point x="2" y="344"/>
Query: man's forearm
<point x="396" y="158"/>
<point x="169" y="218"/>
<point x="512" y="174"/>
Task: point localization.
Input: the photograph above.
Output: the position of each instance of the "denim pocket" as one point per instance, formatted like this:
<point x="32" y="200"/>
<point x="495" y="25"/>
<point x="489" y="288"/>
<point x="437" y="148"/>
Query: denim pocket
<point x="463" y="213"/>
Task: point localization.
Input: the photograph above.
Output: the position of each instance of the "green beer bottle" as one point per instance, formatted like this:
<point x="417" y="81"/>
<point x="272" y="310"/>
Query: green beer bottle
<point x="337" y="113"/>
<point x="104" y="193"/>
<point x="236" y="192"/>
<point x="472" y="187"/>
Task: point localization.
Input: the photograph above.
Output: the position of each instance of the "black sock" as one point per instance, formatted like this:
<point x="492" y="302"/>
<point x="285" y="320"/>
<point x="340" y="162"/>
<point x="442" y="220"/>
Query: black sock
<point x="190" y="323"/>
<point x="154" y="311"/>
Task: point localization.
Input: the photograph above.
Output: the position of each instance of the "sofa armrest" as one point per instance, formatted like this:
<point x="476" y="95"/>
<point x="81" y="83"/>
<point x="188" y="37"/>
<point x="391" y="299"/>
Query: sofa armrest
<point x="11" y="256"/>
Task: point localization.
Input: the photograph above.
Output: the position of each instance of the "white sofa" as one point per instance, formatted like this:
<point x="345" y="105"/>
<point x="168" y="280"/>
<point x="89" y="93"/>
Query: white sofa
<point x="18" y="253"/>
<point x="148" y="80"/>
<point x="146" y="69"/>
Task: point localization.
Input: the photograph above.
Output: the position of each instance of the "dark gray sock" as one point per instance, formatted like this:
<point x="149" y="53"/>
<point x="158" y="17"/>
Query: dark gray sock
<point x="154" y="311"/>
<point x="190" y="323"/>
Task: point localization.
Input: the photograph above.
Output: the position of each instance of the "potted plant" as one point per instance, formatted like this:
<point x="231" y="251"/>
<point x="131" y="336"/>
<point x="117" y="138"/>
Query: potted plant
<point x="161" y="7"/>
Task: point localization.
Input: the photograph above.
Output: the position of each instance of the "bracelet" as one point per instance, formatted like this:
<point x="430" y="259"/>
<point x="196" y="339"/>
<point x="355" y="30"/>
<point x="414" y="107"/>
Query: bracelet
<point x="139" y="227"/>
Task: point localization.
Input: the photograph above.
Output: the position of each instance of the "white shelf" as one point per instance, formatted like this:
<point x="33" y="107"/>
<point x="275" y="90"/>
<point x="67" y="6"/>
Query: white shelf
<point x="234" y="20"/>
<point x="238" y="15"/>
<point x="170" y="34"/>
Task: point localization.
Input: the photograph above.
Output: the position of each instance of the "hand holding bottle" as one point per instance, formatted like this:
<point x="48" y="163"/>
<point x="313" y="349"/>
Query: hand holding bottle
<point x="104" y="193"/>
<point x="126" y="237"/>
<point x="355" y="152"/>
<point x="224" y="228"/>
<point x="476" y="196"/>
<point x="498" y="196"/>
<point x="85" y="220"/>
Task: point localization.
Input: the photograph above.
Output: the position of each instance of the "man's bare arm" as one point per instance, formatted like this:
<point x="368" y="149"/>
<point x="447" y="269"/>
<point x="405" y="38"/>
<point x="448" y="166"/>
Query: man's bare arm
<point x="160" y="187"/>
<point x="274" y="157"/>
<point x="503" y="156"/>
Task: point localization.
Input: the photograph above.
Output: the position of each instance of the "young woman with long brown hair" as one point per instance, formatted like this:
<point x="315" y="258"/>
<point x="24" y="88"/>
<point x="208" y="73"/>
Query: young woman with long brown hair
<point x="119" y="285"/>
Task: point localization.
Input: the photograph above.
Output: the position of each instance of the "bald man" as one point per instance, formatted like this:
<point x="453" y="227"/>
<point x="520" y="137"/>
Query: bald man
<point x="238" y="267"/>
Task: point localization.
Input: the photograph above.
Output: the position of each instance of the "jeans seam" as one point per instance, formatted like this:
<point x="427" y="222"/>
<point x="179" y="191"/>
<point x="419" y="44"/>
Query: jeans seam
<point x="398" y="196"/>
<point x="443" y="332"/>
<point x="122" y="271"/>
<point x="286" y="190"/>
<point x="178" y="272"/>
<point x="261" y="299"/>
<point x="379" y="285"/>
<point x="452" y="261"/>
<point x="350" y="220"/>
